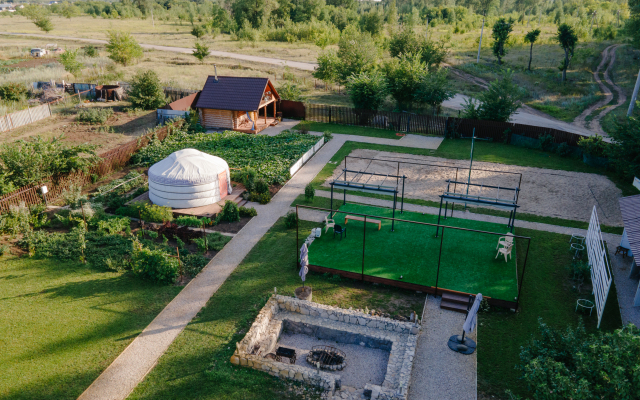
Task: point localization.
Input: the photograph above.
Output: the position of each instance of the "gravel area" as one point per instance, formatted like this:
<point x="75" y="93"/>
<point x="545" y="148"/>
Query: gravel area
<point x="438" y="372"/>
<point x="364" y="365"/>
<point x="553" y="193"/>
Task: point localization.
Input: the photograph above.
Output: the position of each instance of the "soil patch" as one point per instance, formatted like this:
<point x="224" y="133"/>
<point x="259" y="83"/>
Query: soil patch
<point x="231" y="227"/>
<point x="36" y="62"/>
<point x="544" y="192"/>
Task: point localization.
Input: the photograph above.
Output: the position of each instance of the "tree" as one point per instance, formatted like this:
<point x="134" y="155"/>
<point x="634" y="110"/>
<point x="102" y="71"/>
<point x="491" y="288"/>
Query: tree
<point x="434" y="88"/>
<point x="501" y="30"/>
<point x="146" y="91"/>
<point x="69" y="60"/>
<point x="372" y="22"/>
<point x="123" y="48"/>
<point x="403" y="77"/>
<point x="44" y="23"/>
<point x="91" y="51"/>
<point x="498" y="102"/>
<point x="392" y="15"/>
<point x="406" y="41"/>
<point x="573" y="364"/>
<point x="201" y="51"/>
<point x="633" y="23"/>
<point x="69" y="10"/>
<point x="624" y="151"/>
<point x="290" y="91"/>
<point x="256" y="12"/>
<point x="357" y="53"/>
<point x="198" y="31"/>
<point x="367" y="90"/>
<point x="567" y="39"/>
<point x="329" y="67"/>
<point x="531" y="37"/>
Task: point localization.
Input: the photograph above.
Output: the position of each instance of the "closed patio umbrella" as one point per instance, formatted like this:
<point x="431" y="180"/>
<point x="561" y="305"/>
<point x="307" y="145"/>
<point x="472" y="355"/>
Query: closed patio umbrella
<point x="304" y="262"/>
<point x="459" y="343"/>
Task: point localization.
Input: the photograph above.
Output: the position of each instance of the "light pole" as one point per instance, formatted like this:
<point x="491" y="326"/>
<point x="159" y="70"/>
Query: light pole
<point x="480" y="43"/>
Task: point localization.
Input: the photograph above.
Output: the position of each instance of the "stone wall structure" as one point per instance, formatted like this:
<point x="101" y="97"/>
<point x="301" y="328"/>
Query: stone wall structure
<point x="282" y="313"/>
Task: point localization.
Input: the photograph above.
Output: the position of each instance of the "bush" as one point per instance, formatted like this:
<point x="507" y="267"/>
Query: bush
<point x="546" y="142"/>
<point x="149" y="212"/>
<point x="367" y="90"/>
<point x="625" y="148"/>
<point x="229" y="212"/>
<point x="262" y="186"/>
<point x="327" y="136"/>
<point x="309" y="192"/>
<point x="3" y="249"/>
<point x="91" y="51"/>
<point x="290" y="91"/>
<point x="247" y="176"/>
<point x="153" y="265"/>
<point x="193" y="264"/>
<point x="95" y="115"/>
<point x="593" y="146"/>
<point x="262" y="198"/>
<point x="605" y="32"/>
<point x="560" y="364"/>
<point x="189" y="221"/>
<point x="215" y="241"/>
<point x="498" y="102"/>
<point x="69" y="60"/>
<point x="247" y="212"/>
<point x="146" y="91"/>
<point x="13" y="91"/>
<point x="123" y="48"/>
<point x="72" y="196"/>
<point x="201" y="51"/>
<point x="291" y="220"/>
<point x="20" y="219"/>
<point x="563" y="150"/>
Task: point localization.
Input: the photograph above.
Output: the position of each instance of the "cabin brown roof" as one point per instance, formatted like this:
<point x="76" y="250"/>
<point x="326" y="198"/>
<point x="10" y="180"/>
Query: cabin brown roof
<point x="184" y="104"/>
<point x="232" y="93"/>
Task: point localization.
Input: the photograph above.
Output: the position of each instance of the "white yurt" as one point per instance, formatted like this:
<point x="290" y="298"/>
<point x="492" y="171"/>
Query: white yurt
<point x="189" y="178"/>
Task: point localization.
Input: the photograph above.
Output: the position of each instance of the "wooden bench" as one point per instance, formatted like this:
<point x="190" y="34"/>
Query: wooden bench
<point x="355" y="218"/>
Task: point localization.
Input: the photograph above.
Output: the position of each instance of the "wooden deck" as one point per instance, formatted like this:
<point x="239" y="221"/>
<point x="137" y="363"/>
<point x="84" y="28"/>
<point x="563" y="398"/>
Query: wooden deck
<point x="260" y="125"/>
<point x="204" y="211"/>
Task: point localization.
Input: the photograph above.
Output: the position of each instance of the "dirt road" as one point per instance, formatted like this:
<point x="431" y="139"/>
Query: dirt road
<point x="609" y="59"/>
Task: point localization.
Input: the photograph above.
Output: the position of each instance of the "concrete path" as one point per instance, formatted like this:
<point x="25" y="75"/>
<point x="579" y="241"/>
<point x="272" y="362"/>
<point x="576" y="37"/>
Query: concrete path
<point x="224" y="54"/>
<point x="442" y="374"/>
<point x="135" y="362"/>
<point x="522" y="116"/>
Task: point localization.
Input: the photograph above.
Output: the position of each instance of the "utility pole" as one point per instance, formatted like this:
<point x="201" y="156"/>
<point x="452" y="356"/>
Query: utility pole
<point x="618" y="18"/>
<point x="634" y="97"/>
<point x="592" y="18"/>
<point x="473" y="142"/>
<point x="480" y="43"/>
<point x="427" y="31"/>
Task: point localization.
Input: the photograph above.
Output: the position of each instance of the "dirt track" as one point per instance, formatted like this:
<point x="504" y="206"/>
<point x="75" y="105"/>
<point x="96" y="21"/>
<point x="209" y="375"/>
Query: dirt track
<point x="609" y="58"/>
<point x="545" y="192"/>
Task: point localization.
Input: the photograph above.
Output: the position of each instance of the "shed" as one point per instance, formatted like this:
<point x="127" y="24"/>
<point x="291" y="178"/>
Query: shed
<point x="189" y="178"/>
<point x="630" y="209"/>
<point x="237" y="103"/>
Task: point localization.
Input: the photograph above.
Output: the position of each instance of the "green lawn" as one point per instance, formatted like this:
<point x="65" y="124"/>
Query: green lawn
<point x="347" y="130"/>
<point x="468" y="262"/>
<point x="196" y="365"/>
<point x="62" y="324"/>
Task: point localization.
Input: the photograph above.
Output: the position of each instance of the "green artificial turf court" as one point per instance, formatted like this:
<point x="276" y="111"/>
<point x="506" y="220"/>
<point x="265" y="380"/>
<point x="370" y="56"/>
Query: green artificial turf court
<point x="468" y="261"/>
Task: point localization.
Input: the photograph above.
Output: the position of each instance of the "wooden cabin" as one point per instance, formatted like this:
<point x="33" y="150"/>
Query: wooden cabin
<point x="237" y="103"/>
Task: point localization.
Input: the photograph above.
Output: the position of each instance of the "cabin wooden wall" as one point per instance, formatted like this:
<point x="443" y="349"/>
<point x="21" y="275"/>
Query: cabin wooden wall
<point x="210" y="118"/>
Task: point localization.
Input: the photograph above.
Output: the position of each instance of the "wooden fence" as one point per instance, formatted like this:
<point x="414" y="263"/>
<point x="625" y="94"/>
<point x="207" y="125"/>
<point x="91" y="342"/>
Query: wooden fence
<point x="110" y="161"/>
<point x="425" y="124"/>
<point x="24" y="117"/>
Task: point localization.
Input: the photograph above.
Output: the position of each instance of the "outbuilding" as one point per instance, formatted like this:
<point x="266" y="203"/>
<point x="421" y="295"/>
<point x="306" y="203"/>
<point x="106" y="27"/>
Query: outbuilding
<point x="238" y="103"/>
<point x="189" y="178"/>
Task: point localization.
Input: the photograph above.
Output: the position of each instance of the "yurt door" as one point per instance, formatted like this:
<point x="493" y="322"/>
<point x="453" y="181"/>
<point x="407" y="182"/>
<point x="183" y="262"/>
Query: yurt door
<point x="224" y="185"/>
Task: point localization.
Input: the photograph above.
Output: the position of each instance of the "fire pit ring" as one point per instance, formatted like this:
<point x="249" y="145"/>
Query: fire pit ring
<point x="327" y="357"/>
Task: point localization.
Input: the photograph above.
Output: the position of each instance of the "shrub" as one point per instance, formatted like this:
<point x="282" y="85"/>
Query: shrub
<point x="229" y="212"/>
<point x="546" y="142"/>
<point x="309" y="192"/>
<point x="69" y="60"/>
<point x="72" y="196"/>
<point x="290" y="220"/>
<point x="262" y="198"/>
<point x="201" y="51"/>
<point x="290" y="91"/>
<point x="367" y="90"/>
<point x="123" y="48"/>
<point x="18" y="220"/>
<point x="563" y="150"/>
<point x="3" y="249"/>
<point x="327" y="136"/>
<point x="498" y="102"/>
<point x="247" y="212"/>
<point x="193" y="264"/>
<point x="199" y="31"/>
<point x="558" y="364"/>
<point x="146" y="91"/>
<point x="149" y="212"/>
<point x="593" y="145"/>
<point x="13" y="91"/>
<point x="153" y="265"/>
<point x="216" y="241"/>
<point x="91" y="51"/>
<point x="262" y="186"/>
<point x="95" y="115"/>
<point x="625" y="147"/>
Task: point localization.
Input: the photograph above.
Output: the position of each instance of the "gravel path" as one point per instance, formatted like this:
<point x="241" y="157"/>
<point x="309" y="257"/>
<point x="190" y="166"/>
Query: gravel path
<point x="364" y="364"/>
<point x="439" y="373"/>
<point x="552" y="193"/>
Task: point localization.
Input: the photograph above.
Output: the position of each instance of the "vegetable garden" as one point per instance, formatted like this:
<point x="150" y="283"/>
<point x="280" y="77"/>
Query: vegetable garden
<point x="270" y="156"/>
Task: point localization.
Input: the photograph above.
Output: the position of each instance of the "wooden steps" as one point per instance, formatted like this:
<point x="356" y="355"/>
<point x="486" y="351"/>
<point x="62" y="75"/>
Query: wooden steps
<point x="455" y="302"/>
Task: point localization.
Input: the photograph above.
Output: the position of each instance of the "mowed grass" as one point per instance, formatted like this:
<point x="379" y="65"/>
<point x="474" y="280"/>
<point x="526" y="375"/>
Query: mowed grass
<point x="410" y="252"/>
<point x="62" y="324"/>
<point x="347" y="130"/>
<point x="196" y="365"/>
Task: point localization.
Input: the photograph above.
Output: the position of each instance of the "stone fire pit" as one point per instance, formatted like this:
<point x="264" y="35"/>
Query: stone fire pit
<point x="329" y="325"/>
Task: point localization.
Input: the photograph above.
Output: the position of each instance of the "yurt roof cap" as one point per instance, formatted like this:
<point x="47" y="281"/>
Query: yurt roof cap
<point x="187" y="167"/>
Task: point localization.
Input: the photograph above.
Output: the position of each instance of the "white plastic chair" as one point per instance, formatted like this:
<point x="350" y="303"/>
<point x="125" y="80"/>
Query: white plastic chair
<point x="506" y="251"/>
<point x="505" y="240"/>
<point x="328" y="223"/>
